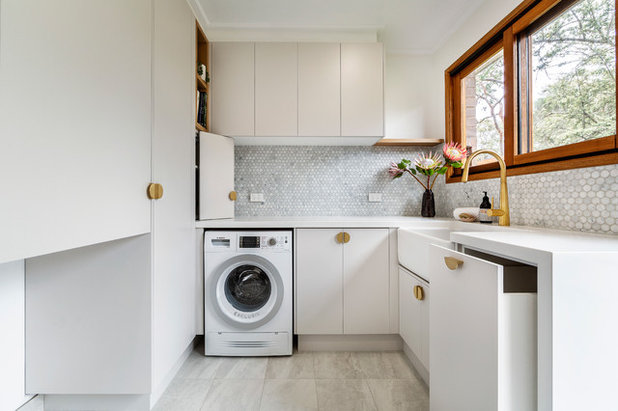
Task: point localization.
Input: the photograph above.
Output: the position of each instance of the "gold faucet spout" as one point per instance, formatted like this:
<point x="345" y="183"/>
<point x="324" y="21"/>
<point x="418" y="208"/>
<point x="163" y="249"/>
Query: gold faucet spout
<point x="503" y="211"/>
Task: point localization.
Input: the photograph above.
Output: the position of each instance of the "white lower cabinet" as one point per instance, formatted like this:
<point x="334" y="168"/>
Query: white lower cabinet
<point x="483" y="333"/>
<point x="342" y="281"/>
<point x="414" y="314"/>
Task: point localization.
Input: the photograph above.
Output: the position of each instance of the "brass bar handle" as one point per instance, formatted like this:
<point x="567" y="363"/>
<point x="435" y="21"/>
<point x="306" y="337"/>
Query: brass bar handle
<point x="339" y="238"/>
<point x="232" y="195"/>
<point x="495" y="212"/>
<point x="419" y="293"/>
<point x="452" y="263"/>
<point x="154" y="191"/>
<point x="346" y="237"/>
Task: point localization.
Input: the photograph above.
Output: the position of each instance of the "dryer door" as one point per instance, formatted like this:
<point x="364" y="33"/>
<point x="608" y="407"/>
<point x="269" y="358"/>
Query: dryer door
<point x="246" y="291"/>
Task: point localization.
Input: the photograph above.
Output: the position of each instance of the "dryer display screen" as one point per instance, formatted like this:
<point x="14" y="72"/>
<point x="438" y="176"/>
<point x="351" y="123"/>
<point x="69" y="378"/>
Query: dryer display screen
<point x="249" y="242"/>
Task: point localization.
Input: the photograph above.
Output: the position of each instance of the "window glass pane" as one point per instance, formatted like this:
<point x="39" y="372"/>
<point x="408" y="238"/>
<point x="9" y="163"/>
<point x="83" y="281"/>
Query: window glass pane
<point x="574" y="76"/>
<point x="483" y="92"/>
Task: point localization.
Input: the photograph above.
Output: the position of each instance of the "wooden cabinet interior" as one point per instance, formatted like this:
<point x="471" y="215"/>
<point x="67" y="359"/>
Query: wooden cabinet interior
<point x="201" y="86"/>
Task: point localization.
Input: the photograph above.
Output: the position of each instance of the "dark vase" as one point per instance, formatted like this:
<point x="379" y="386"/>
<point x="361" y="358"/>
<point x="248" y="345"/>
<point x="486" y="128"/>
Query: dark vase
<point x="428" y="209"/>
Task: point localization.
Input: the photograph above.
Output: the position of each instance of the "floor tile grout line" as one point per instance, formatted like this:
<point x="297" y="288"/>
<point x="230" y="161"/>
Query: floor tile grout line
<point x="375" y="403"/>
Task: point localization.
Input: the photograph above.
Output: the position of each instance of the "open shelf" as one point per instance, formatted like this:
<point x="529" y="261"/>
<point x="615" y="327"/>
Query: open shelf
<point x="201" y="86"/>
<point x="417" y="142"/>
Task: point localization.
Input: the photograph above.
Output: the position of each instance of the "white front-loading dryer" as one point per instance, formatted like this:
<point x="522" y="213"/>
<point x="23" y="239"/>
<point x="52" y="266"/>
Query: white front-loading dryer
<point x="248" y="293"/>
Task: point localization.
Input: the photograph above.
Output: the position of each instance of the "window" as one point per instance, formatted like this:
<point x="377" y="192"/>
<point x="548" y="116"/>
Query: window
<point x="539" y="89"/>
<point x="483" y="106"/>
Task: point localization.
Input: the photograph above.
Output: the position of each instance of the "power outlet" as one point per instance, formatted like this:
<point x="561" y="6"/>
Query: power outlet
<point x="375" y="197"/>
<point x="256" y="197"/>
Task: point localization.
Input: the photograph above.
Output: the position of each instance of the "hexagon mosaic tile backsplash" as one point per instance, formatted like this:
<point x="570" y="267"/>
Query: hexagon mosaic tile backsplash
<point x="336" y="181"/>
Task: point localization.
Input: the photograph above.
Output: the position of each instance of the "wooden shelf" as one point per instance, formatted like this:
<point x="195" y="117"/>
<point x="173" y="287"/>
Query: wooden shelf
<point x="417" y="142"/>
<point x="200" y="127"/>
<point x="201" y="84"/>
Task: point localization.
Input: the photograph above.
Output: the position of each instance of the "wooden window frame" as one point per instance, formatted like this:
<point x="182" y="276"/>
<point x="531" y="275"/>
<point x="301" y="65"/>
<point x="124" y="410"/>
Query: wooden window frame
<point x="507" y="35"/>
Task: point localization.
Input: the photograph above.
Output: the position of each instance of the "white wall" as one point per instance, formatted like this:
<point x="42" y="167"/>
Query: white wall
<point x="414" y="84"/>
<point x="12" y="349"/>
<point x="483" y="19"/>
<point x="173" y="158"/>
<point x="75" y="113"/>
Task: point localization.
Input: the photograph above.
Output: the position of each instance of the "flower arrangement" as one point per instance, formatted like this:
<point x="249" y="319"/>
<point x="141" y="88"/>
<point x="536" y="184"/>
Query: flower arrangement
<point x="430" y="164"/>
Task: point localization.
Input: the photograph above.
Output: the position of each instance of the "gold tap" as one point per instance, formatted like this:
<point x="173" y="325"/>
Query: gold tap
<point x="503" y="211"/>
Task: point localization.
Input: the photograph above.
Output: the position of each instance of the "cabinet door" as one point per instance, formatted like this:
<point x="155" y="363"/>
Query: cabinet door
<point x="276" y="89"/>
<point x="414" y="315"/>
<point x="216" y="176"/>
<point x="232" y="88"/>
<point x="173" y="152"/>
<point x="409" y="315"/>
<point x="362" y="89"/>
<point x="319" y="282"/>
<point x="319" y="89"/>
<point x="366" y="282"/>
<point x="75" y="124"/>
<point x="423" y="308"/>
<point x="463" y="332"/>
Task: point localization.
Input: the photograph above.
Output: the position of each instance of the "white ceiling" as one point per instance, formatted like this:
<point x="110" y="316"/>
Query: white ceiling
<point x="408" y="26"/>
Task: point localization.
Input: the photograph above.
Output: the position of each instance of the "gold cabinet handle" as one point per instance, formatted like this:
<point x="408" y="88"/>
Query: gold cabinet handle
<point x="154" y="191"/>
<point x="419" y="293"/>
<point x="452" y="263"/>
<point x="342" y="237"/>
<point x="232" y="196"/>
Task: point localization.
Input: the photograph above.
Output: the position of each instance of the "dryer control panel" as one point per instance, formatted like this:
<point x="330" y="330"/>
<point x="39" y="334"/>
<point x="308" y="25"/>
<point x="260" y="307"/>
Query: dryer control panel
<point x="273" y="241"/>
<point x="218" y="241"/>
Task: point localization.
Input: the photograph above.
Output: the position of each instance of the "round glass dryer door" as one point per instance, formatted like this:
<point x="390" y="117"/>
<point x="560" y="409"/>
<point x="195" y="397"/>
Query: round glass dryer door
<point x="248" y="291"/>
<point x="247" y="288"/>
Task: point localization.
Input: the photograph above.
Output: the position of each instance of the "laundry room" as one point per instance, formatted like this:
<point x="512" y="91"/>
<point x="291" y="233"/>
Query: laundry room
<point x="281" y="205"/>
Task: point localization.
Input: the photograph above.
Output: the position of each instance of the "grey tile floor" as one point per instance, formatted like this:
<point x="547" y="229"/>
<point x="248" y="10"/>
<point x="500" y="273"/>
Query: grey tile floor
<point x="339" y="381"/>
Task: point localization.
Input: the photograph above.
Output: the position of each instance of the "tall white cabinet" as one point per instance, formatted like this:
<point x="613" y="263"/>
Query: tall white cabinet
<point x="362" y="89"/>
<point x="141" y="287"/>
<point x="173" y="159"/>
<point x="276" y="89"/>
<point x="342" y="281"/>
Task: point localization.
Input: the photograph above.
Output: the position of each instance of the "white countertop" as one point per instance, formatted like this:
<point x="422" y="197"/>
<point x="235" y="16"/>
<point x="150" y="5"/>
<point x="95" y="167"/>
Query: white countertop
<point x="530" y="245"/>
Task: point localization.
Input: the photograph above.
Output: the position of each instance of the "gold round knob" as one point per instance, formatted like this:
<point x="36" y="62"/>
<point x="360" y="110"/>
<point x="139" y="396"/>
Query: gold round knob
<point x="232" y="195"/>
<point x="154" y="191"/>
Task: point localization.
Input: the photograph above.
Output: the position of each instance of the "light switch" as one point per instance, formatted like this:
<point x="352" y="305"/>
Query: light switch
<point x="375" y="197"/>
<point x="256" y="197"/>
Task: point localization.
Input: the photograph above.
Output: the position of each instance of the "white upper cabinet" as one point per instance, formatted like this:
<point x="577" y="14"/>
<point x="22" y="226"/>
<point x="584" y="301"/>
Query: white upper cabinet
<point x="276" y="89"/>
<point x="232" y="89"/>
<point x="362" y="89"/>
<point x="216" y="176"/>
<point x="75" y="124"/>
<point x="297" y="89"/>
<point x="319" y="89"/>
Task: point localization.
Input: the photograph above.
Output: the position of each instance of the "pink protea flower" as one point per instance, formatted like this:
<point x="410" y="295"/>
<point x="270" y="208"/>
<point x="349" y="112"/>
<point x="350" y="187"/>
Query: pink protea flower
<point x="454" y="153"/>
<point x="428" y="161"/>
<point x="394" y="170"/>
